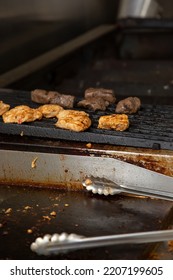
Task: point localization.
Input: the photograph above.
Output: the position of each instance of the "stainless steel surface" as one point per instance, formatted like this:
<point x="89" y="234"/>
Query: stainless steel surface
<point x="47" y="245"/>
<point x="106" y="187"/>
<point x="46" y="168"/>
<point x="139" y="8"/>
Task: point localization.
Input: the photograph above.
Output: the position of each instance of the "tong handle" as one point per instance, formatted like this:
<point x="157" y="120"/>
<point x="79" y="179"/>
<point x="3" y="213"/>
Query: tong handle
<point x="98" y="241"/>
<point x="147" y="192"/>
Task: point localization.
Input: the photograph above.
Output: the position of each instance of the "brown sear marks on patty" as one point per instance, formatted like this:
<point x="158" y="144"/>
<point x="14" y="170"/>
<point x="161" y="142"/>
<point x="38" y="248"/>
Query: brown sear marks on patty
<point x="93" y="103"/>
<point x="106" y="94"/>
<point x="118" y="122"/>
<point x="128" y="105"/>
<point x="42" y="96"/>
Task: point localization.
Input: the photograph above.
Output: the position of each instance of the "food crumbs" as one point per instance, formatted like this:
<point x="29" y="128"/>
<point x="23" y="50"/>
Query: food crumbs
<point x="88" y="145"/>
<point x="33" y="163"/>
<point x="8" y="211"/>
<point x="66" y="205"/>
<point x="29" y="231"/>
<point x="88" y="182"/>
<point x="47" y="218"/>
<point x="53" y="213"/>
<point x="27" y="207"/>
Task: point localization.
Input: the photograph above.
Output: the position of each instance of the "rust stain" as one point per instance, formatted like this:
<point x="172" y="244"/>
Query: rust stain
<point x="71" y="185"/>
<point x="156" y="160"/>
<point x="157" y="164"/>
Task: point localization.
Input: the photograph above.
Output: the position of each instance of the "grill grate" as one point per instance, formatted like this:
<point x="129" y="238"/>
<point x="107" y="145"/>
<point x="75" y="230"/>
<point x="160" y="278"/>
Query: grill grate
<point x="151" y="127"/>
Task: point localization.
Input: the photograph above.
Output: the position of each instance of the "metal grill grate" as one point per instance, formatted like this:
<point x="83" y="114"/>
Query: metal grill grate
<point x="151" y="127"/>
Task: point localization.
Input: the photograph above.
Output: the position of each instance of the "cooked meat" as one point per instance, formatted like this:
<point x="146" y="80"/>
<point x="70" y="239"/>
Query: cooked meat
<point x="116" y="122"/>
<point x="45" y="97"/>
<point x="64" y="100"/>
<point x="21" y="114"/>
<point x="128" y="105"/>
<point x="42" y="96"/>
<point x="50" y="110"/>
<point x="93" y="103"/>
<point x="106" y="94"/>
<point x="3" y="108"/>
<point x="73" y="120"/>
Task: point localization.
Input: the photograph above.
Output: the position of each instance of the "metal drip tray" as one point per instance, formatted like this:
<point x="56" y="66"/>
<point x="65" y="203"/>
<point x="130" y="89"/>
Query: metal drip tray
<point x="41" y="183"/>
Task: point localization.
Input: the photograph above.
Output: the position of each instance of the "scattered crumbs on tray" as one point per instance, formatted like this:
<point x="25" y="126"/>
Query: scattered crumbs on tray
<point x="29" y="231"/>
<point x="8" y="211"/>
<point x="27" y="207"/>
<point x="5" y="233"/>
<point x="53" y="214"/>
<point x="47" y="218"/>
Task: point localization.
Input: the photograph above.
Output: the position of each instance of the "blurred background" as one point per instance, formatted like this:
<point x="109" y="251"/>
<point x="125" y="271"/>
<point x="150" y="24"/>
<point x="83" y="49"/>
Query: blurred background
<point x="28" y="29"/>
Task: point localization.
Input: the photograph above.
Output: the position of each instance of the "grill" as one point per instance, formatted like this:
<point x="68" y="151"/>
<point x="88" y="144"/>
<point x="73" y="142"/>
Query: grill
<point x="147" y="127"/>
<point x="147" y="143"/>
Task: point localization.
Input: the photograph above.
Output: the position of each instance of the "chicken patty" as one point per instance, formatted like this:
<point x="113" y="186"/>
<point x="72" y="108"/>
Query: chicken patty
<point x="119" y="122"/>
<point x="73" y="120"/>
<point x="50" y="111"/>
<point x="3" y="107"/>
<point x="20" y="114"/>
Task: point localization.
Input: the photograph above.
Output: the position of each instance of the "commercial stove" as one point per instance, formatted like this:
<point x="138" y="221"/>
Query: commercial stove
<point x="42" y="167"/>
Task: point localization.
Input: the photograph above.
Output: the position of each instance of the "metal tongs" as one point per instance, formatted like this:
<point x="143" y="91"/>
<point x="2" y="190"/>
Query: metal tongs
<point x="106" y="187"/>
<point x="62" y="243"/>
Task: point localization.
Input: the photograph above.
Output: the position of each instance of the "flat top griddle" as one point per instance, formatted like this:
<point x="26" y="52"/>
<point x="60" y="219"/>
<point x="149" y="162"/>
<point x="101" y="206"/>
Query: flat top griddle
<point x="151" y="127"/>
<point x="78" y="212"/>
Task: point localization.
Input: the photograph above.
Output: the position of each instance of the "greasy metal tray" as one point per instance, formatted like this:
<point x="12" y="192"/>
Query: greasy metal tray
<point x="151" y="127"/>
<point x="78" y="212"/>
